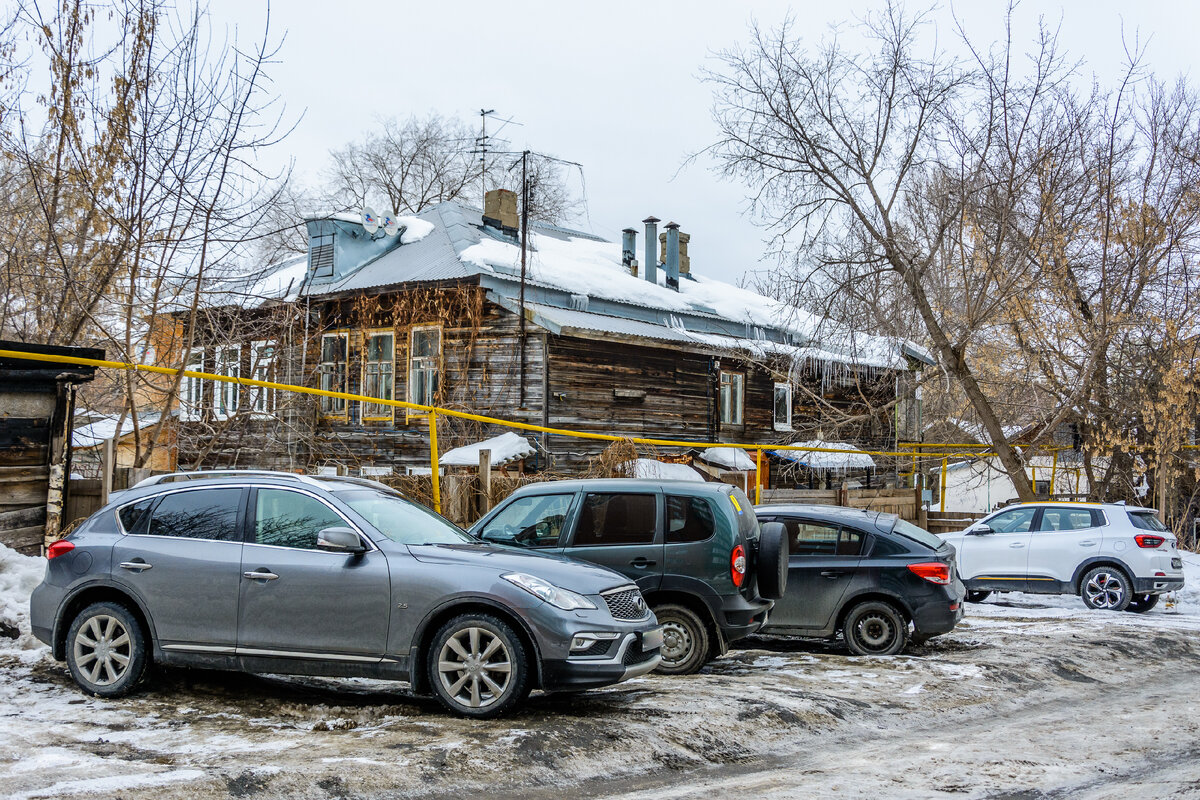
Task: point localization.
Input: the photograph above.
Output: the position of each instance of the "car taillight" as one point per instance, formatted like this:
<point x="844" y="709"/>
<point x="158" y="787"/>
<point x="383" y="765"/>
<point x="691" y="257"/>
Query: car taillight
<point x="1148" y="540"/>
<point x="932" y="571"/>
<point x="737" y="566"/>
<point x="59" y="548"/>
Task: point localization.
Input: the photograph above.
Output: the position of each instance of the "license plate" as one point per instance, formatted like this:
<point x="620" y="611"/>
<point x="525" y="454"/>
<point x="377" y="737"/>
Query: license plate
<point x="652" y="639"/>
<point x="1176" y="563"/>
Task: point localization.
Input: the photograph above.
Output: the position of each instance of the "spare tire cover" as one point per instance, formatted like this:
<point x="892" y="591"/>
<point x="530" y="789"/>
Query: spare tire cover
<point x="772" y="560"/>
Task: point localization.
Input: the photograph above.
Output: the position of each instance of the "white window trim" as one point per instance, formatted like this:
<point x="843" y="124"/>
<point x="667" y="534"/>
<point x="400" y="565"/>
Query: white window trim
<point x="262" y="371"/>
<point x="388" y="411"/>
<point x="787" y="424"/>
<point x="345" y="409"/>
<point x="187" y="410"/>
<point x="221" y="387"/>
<point x="741" y="398"/>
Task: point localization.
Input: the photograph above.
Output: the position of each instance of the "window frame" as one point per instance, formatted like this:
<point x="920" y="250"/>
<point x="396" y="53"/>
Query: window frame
<point x="251" y="521"/>
<point x="722" y="408"/>
<point x="1095" y="518"/>
<point x="370" y="410"/>
<point x="1034" y="522"/>
<point x="437" y="364"/>
<point x="144" y="523"/>
<point x="223" y="389"/>
<point x="786" y="425"/>
<point x="328" y="405"/>
<point x="566" y="533"/>
<point x="188" y="411"/>
<point x="262" y="371"/>
<point x="841" y="529"/>
<point x="577" y="513"/>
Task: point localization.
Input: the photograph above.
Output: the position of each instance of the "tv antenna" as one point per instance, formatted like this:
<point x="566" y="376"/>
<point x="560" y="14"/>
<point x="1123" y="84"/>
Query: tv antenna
<point x="481" y="146"/>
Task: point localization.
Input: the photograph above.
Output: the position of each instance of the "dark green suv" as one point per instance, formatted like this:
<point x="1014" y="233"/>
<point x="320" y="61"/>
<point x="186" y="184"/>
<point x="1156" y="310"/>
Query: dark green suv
<point x="695" y="550"/>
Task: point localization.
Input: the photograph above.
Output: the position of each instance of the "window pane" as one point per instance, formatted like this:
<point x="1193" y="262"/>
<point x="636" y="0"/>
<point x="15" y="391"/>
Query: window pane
<point x="198" y="514"/>
<point x="689" y="519"/>
<point x="532" y="521"/>
<point x="402" y="520"/>
<point x="1065" y="519"/>
<point x="291" y="519"/>
<point x="1146" y="521"/>
<point x="426" y="342"/>
<point x="783" y="406"/>
<point x="379" y="347"/>
<point x="608" y="519"/>
<point x="1016" y="521"/>
<point x="850" y="542"/>
<point x="811" y="538"/>
<point x="133" y="517"/>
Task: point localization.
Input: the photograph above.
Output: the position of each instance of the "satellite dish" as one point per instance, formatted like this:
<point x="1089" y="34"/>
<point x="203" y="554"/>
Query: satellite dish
<point x="370" y="221"/>
<point x="390" y="224"/>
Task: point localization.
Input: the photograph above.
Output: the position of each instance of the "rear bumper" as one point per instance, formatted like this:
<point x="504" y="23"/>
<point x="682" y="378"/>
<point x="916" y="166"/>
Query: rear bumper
<point x="1157" y="585"/>
<point x="637" y="655"/>
<point x="739" y="617"/>
<point x="941" y="612"/>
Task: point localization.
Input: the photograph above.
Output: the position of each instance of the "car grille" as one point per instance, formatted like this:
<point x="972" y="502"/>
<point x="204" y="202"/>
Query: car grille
<point x="626" y="604"/>
<point x="634" y="654"/>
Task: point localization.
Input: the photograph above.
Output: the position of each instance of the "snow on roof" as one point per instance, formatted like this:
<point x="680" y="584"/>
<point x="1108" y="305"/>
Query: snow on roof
<point x="731" y="457"/>
<point x="506" y="448"/>
<point x="649" y="469"/>
<point x="827" y="461"/>
<point x="978" y="433"/>
<point x="96" y="433"/>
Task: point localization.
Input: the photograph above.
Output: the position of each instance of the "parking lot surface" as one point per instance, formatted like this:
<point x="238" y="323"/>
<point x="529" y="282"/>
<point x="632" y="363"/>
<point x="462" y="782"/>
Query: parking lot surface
<point x="1030" y="697"/>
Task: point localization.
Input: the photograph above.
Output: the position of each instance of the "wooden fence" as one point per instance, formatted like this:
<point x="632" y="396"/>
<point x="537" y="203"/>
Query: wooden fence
<point x="904" y="503"/>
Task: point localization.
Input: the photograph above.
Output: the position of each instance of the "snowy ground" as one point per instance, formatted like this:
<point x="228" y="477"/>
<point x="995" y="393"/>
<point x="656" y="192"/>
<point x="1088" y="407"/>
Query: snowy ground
<point x="1030" y="697"/>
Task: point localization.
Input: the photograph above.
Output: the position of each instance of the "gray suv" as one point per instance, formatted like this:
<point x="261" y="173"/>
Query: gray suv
<point x="694" y="549"/>
<point x="280" y="573"/>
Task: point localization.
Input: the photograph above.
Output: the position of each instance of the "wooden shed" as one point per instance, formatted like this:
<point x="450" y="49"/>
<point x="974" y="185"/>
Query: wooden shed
<point x="37" y="402"/>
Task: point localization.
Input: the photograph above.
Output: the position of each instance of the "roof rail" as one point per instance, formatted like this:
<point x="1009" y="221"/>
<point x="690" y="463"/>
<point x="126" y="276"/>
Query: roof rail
<point x="199" y="474"/>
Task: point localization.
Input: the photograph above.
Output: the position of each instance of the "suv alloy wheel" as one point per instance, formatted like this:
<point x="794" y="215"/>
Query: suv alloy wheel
<point x="106" y="650"/>
<point x="478" y="666"/>
<point x="1105" y="588"/>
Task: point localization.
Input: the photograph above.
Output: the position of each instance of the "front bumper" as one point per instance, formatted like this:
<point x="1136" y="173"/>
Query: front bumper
<point x="635" y="654"/>
<point x="1158" y="585"/>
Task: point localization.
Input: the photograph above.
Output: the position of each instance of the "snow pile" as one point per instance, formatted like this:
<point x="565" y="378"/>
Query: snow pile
<point x="649" y="469"/>
<point x="1188" y="598"/>
<point x="18" y="576"/>
<point x="506" y="448"/>
<point x="415" y="229"/>
<point x="829" y="461"/>
<point x="730" y="457"/>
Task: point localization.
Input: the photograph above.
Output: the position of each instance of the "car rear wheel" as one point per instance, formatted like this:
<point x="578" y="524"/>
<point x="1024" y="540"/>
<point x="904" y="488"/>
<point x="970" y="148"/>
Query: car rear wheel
<point x="875" y="628"/>
<point x="685" y="640"/>
<point x="1141" y="603"/>
<point x="106" y="650"/>
<point x="1105" y="588"/>
<point x="978" y="596"/>
<point x="478" y="666"/>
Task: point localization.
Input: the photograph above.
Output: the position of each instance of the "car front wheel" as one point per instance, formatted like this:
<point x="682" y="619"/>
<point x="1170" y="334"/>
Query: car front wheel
<point x="875" y="629"/>
<point x="478" y="666"/>
<point x="1141" y="603"/>
<point x="106" y="650"/>
<point x="685" y="640"/>
<point x="1105" y="588"/>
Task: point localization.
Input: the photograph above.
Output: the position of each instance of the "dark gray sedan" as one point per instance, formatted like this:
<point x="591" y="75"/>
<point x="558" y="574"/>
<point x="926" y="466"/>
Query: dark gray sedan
<point x="280" y="573"/>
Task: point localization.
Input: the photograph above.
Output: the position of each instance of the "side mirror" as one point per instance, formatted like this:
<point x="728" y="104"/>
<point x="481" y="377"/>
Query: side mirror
<point x="982" y="529"/>
<point x="340" y="540"/>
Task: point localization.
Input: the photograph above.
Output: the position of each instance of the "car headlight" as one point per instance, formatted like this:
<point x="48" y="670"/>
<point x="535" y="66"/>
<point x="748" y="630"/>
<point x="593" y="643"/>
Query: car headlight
<point x="554" y="595"/>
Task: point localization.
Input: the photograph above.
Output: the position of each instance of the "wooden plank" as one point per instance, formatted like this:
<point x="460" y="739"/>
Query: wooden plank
<point x="23" y="474"/>
<point x="24" y="540"/>
<point x="22" y="517"/>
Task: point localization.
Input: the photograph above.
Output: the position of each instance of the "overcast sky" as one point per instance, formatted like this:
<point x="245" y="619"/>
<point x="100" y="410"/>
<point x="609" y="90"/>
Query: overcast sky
<point x="613" y="85"/>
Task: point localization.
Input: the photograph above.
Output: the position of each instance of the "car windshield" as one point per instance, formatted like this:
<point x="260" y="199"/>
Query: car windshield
<point x="402" y="520"/>
<point x="1146" y="520"/>
<point x="907" y="529"/>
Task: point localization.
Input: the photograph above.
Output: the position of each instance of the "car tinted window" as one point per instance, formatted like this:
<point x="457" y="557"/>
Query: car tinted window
<point x="690" y="519"/>
<point x="535" y="521"/>
<point x="746" y="520"/>
<point x="1067" y="519"/>
<point x="809" y="538"/>
<point x="402" y="520"/>
<point x="608" y="519"/>
<point x="198" y="514"/>
<point x="1146" y="520"/>
<point x="883" y="546"/>
<point x="917" y="534"/>
<point x="291" y="519"/>
<point x="134" y="516"/>
<point x="1018" y="520"/>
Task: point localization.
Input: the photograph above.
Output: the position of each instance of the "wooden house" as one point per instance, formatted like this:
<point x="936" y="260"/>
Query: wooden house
<point x="558" y="328"/>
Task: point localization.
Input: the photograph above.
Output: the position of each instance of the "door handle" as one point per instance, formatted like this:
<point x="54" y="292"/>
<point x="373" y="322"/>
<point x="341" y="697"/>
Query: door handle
<point x="832" y="573"/>
<point x="1017" y="544"/>
<point x="1088" y="543"/>
<point x="137" y="565"/>
<point x="641" y="562"/>
<point x="260" y="575"/>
